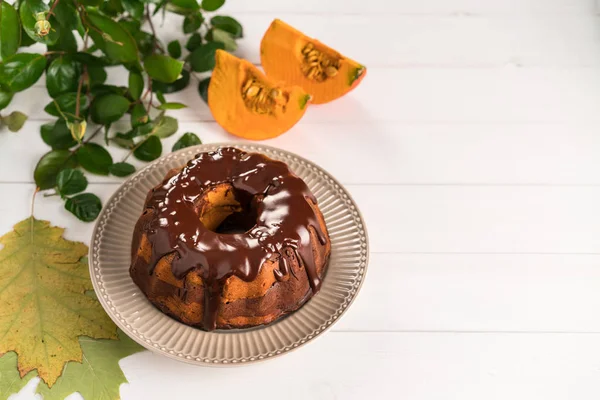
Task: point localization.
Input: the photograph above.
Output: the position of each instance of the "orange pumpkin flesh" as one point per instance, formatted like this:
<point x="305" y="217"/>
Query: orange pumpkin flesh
<point x="248" y="104"/>
<point x="290" y="56"/>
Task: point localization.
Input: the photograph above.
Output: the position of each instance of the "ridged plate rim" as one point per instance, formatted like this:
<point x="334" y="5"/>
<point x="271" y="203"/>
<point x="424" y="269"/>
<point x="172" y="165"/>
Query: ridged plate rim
<point x="134" y="327"/>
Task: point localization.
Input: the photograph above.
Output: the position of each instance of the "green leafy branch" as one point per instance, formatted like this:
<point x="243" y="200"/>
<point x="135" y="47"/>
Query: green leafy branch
<point x="114" y="34"/>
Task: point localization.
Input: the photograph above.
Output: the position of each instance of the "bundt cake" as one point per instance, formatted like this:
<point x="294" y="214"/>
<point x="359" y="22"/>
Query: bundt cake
<point x="231" y="240"/>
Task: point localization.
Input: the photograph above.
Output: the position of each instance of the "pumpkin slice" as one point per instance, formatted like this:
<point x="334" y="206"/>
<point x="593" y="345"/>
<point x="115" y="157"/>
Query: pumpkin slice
<point x="289" y="55"/>
<point x="248" y="104"/>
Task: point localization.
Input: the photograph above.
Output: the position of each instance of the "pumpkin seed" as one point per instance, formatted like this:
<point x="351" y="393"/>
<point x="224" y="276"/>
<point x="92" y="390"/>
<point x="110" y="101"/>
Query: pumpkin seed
<point x="331" y="71"/>
<point x="247" y="85"/>
<point x="261" y="99"/>
<point x="307" y="48"/>
<point x="252" y="91"/>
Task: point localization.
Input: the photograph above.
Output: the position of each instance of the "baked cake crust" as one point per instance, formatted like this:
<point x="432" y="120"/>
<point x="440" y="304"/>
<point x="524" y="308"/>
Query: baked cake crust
<point x="232" y="240"/>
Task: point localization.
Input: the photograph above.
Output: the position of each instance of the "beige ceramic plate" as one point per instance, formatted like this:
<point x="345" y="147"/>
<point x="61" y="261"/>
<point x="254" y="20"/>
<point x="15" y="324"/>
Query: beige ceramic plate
<point x="133" y="313"/>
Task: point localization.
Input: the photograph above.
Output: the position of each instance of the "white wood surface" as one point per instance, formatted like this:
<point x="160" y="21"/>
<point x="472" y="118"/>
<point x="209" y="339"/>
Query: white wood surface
<point x="479" y="128"/>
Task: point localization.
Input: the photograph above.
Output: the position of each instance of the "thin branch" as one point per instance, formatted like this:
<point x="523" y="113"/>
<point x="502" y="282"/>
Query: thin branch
<point x="79" y="87"/>
<point x="151" y="94"/>
<point x="51" y="12"/>
<point x="37" y="189"/>
<point x="46" y="54"/>
<point x="93" y="135"/>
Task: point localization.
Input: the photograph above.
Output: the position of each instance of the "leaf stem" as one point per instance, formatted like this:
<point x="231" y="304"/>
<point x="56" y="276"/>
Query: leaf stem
<point x="135" y="148"/>
<point x="151" y="95"/>
<point x="93" y="135"/>
<point x="79" y="87"/>
<point x="46" y="54"/>
<point x="37" y="189"/>
<point x="51" y="12"/>
<point x="149" y="18"/>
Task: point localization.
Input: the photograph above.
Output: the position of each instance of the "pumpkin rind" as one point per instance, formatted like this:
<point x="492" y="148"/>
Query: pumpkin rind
<point x="286" y="57"/>
<point x="248" y="104"/>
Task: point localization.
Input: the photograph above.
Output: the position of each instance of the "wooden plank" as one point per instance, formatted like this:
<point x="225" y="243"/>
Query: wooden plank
<point x="480" y="219"/>
<point x="316" y="7"/>
<point x="477" y="292"/>
<point x="509" y="95"/>
<point x="421" y="366"/>
<point x="392" y="153"/>
<point x="400" y="366"/>
<point x="434" y="41"/>
<point x="430" y="292"/>
<point x="421" y="219"/>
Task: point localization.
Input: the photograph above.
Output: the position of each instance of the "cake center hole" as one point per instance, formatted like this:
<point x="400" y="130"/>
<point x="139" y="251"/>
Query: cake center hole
<point x="227" y="211"/>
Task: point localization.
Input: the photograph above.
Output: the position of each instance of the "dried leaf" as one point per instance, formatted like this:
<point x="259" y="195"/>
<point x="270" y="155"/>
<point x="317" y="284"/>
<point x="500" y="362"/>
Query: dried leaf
<point x="98" y="377"/>
<point x="10" y="381"/>
<point x="43" y="306"/>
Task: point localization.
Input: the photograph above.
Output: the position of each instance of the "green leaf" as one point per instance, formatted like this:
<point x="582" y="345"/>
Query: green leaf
<point x="5" y="98"/>
<point x="10" y="30"/>
<point x="94" y="158"/>
<point x="112" y="8"/>
<point x="96" y="74"/>
<point x="160" y="4"/>
<point x="64" y="106"/>
<point x="91" y="3"/>
<point x="186" y="140"/>
<point x="226" y="38"/>
<point x="57" y="135"/>
<point x="149" y="150"/>
<point x="135" y="8"/>
<point x="66" y="42"/>
<point x="108" y="108"/>
<point x="10" y="379"/>
<point x="194" y="42"/>
<point x="99" y="376"/>
<point x="203" y="89"/>
<point x="193" y="22"/>
<point x="123" y="140"/>
<point x="228" y="24"/>
<point x="212" y="5"/>
<point x="176" y="86"/>
<point x="122" y="169"/>
<point x="163" y="68"/>
<point x="109" y="89"/>
<point x="28" y="11"/>
<point x="165" y="127"/>
<point x="25" y="39"/>
<point x="85" y="206"/>
<point x="171" y="106"/>
<point x="62" y="76"/>
<point x="203" y="58"/>
<point x="174" y="48"/>
<point x="142" y="130"/>
<point x="70" y="181"/>
<point x="50" y="165"/>
<point x="189" y="5"/>
<point x="131" y="25"/>
<point x="67" y="16"/>
<point x="115" y="41"/>
<point x="145" y="42"/>
<point x="139" y="115"/>
<point x="14" y="121"/>
<point x="161" y="97"/>
<point x="136" y="84"/>
<point x="22" y="70"/>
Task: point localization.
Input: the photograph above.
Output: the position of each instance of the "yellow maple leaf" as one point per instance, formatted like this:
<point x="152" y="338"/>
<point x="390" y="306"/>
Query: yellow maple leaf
<point x="43" y="306"/>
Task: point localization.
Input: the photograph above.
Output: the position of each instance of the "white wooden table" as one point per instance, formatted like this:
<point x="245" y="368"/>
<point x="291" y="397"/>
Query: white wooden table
<point x="479" y="122"/>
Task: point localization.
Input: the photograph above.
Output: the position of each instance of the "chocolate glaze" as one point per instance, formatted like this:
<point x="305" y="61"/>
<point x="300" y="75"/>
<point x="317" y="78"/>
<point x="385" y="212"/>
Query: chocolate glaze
<point x="283" y="217"/>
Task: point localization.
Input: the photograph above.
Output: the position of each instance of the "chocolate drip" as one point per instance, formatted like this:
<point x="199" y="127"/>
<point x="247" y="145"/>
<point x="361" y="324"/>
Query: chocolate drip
<point x="284" y="219"/>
